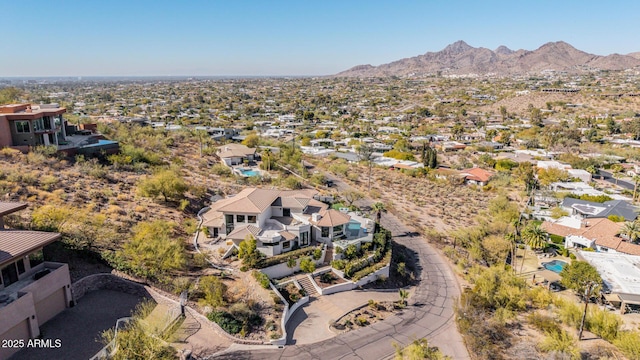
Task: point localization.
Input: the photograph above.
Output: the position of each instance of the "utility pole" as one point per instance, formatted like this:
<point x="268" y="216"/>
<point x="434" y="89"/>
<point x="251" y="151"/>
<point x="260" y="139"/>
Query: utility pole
<point x="586" y="304"/>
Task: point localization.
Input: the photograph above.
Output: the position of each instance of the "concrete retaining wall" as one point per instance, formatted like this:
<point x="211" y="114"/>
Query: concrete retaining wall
<point x="282" y="270"/>
<point x="287" y="312"/>
<point x="374" y="276"/>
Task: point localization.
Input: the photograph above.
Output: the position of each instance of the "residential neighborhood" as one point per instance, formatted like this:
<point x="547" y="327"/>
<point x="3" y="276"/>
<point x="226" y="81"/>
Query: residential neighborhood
<point x="489" y="215"/>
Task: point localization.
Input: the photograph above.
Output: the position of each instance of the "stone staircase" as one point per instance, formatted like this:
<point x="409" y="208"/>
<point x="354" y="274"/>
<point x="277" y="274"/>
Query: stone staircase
<point x="306" y="284"/>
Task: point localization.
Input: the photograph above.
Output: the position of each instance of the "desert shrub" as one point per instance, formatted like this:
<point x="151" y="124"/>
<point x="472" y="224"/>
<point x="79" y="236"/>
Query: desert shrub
<point x="307" y="265"/>
<point x="569" y="312"/>
<point x="361" y="321"/>
<point x="338" y="264"/>
<point x="543" y="323"/>
<point x="629" y="343"/>
<point x="540" y="297"/>
<point x="560" y="342"/>
<point x="226" y="321"/>
<point x="214" y="291"/>
<point x="262" y="278"/>
<point x="317" y="253"/>
<point x="603" y="323"/>
<point x="221" y="170"/>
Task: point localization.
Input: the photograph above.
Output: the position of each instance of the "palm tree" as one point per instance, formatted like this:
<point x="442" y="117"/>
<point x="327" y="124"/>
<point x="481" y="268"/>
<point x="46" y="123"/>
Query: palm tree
<point x="379" y="208"/>
<point x="535" y="237"/>
<point x="631" y="230"/>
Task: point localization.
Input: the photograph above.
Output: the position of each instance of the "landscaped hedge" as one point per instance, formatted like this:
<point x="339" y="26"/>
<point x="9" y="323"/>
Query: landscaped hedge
<point x="373" y="268"/>
<point x="296" y="254"/>
<point x="363" y="267"/>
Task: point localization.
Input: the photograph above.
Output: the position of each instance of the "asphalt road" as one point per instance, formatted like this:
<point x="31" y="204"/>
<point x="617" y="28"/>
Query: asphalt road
<point x="608" y="176"/>
<point x="429" y="314"/>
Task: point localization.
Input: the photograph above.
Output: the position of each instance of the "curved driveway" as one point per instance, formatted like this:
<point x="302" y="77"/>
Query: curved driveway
<point x="429" y="314"/>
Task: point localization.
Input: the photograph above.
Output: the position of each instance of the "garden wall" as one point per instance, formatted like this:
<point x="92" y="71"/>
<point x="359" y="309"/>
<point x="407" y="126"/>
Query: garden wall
<point x="286" y="314"/>
<point x="374" y="276"/>
<point x="282" y="270"/>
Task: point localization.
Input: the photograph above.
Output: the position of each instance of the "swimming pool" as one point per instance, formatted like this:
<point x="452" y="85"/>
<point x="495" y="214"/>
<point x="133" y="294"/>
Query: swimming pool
<point x="353" y="227"/>
<point x="249" y="172"/>
<point x="101" y="142"/>
<point x="555" y="265"/>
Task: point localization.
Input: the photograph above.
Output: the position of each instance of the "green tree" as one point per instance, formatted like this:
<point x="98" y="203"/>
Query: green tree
<point x="631" y="230"/>
<point x="429" y="156"/>
<point x="214" y="291"/>
<point x="248" y="252"/>
<point x="307" y="265"/>
<point x="153" y="251"/>
<point x="578" y="275"/>
<point x="168" y="183"/>
<point x="10" y="95"/>
<point x="252" y="141"/>
<point x="551" y="175"/>
<point x="351" y="196"/>
<point x="379" y="208"/>
<point x="504" y="113"/>
<point x="535" y="236"/>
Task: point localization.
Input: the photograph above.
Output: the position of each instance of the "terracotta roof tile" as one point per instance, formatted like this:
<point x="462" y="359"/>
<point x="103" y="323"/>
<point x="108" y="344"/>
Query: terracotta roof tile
<point x="333" y="217"/>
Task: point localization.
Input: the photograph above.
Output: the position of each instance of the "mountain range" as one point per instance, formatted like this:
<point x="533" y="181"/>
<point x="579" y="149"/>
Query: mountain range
<point x="461" y="58"/>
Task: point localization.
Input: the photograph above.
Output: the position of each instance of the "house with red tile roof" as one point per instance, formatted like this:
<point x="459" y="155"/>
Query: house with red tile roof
<point x="600" y="234"/>
<point x="476" y="176"/>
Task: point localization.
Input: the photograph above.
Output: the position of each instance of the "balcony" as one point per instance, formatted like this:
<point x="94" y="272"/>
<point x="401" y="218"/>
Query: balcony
<point x="50" y="276"/>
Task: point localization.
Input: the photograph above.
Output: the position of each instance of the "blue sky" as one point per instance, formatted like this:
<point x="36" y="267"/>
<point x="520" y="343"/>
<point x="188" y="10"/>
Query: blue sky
<point x="304" y="37"/>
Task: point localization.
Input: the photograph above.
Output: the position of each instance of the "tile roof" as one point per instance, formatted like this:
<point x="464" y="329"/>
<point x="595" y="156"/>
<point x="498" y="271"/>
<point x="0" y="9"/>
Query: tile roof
<point x="7" y="208"/>
<point x="287" y="235"/>
<point x="477" y="174"/>
<point x="333" y="217"/>
<point x="235" y="150"/>
<point x="252" y="201"/>
<point x="602" y="230"/>
<point x="17" y="243"/>
<point x="241" y="233"/>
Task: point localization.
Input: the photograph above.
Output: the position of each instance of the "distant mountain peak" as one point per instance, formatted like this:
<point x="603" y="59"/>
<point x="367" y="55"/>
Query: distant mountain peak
<point x="503" y="50"/>
<point x="458" y="47"/>
<point x="461" y="58"/>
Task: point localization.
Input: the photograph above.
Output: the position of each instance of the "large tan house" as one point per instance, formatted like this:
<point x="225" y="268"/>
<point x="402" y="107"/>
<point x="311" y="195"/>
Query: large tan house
<point x="32" y="291"/>
<point x="282" y="220"/>
<point x="235" y="154"/>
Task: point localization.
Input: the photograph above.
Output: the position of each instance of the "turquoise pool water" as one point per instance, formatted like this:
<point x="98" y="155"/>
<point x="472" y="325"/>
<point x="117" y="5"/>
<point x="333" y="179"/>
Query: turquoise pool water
<point x="248" y="172"/>
<point x="353" y="228"/>
<point x="556" y="266"/>
<point x="101" y="142"/>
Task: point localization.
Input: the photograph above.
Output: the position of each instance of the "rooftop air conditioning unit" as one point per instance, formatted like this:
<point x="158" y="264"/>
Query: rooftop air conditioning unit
<point x="316" y="217"/>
